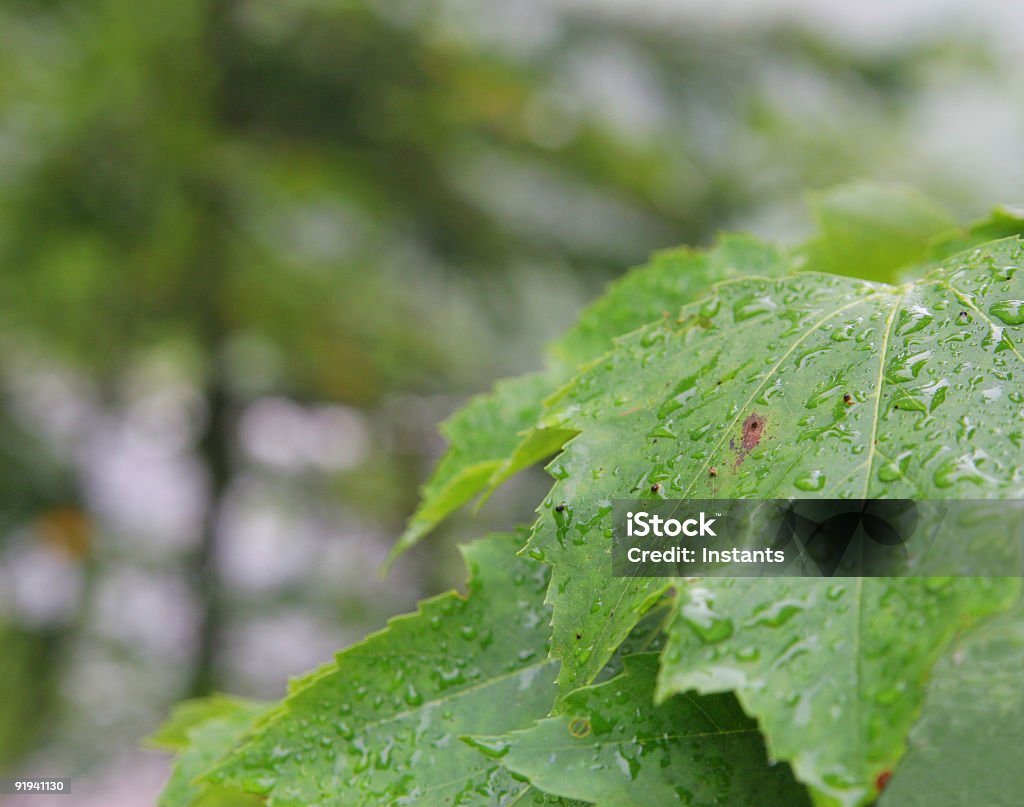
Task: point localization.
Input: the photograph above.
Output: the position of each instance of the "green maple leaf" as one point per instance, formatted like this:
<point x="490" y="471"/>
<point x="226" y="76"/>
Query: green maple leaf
<point x="380" y="725"/>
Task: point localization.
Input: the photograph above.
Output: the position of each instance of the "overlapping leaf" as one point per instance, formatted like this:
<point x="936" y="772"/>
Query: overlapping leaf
<point x="494" y="436"/>
<point x="611" y="746"/>
<point x="833" y="669"/>
<point x="381" y="724"/>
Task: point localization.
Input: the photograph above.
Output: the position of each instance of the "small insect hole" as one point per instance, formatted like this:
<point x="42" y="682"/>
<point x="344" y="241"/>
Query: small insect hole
<point x="579" y="727"/>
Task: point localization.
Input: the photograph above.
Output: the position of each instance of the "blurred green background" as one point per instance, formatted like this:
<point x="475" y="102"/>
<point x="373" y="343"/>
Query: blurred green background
<point x="252" y="251"/>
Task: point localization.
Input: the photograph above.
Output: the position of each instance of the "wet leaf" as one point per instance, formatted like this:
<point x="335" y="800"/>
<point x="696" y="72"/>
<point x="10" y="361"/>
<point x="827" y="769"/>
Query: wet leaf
<point x="671" y="279"/>
<point x="380" y="724"/>
<point x="611" y="746"/>
<point x="832" y="669"/>
<point x="648" y="636"/>
<point x="856" y="390"/>
<point x="497" y="434"/>
<point x="965" y="751"/>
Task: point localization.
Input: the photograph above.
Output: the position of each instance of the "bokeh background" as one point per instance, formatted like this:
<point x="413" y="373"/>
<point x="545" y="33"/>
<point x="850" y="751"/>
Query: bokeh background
<point x="252" y="251"/>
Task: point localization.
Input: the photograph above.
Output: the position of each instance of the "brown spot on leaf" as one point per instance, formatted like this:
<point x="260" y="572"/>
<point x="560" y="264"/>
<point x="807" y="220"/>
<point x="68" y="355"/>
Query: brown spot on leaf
<point x="753" y="429"/>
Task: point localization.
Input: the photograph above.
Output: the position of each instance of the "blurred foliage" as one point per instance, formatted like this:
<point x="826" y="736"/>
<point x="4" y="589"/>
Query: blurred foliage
<point x="333" y="200"/>
<point x="291" y="171"/>
<point x="28" y="667"/>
